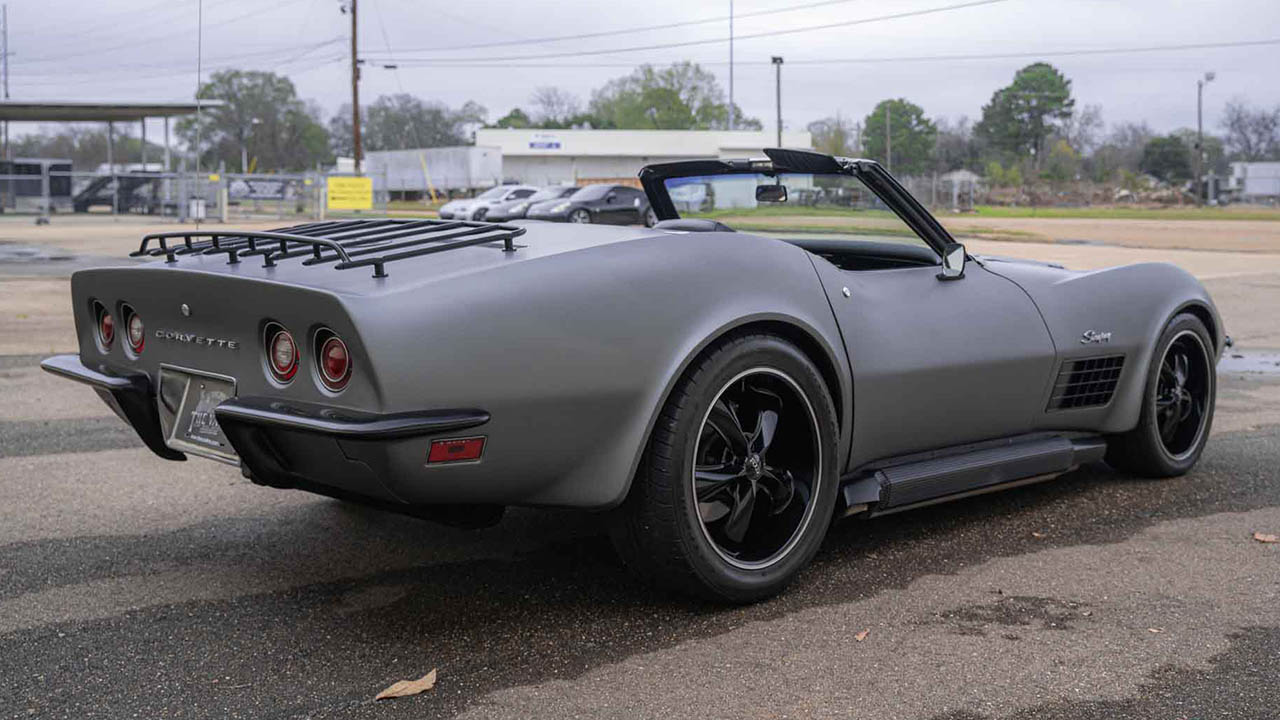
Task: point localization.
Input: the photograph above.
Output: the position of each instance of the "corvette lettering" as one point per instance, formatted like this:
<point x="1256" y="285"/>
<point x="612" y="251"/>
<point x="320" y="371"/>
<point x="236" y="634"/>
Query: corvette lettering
<point x="194" y="339"/>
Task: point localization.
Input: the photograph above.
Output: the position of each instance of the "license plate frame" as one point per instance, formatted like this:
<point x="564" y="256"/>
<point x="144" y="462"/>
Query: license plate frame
<point x="185" y="400"/>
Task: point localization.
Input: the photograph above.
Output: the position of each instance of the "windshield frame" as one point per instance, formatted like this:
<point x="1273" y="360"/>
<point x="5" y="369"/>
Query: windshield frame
<point x="781" y="161"/>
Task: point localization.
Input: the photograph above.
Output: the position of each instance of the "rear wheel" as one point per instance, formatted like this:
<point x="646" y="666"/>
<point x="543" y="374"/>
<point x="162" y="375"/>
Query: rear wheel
<point x="579" y="216"/>
<point x="738" y="484"/>
<point x="650" y="217"/>
<point x="1177" y="405"/>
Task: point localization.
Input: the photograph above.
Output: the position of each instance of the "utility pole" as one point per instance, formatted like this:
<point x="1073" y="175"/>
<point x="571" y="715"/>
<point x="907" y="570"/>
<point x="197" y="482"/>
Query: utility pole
<point x="1199" y="154"/>
<point x="888" y="137"/>
<point x="730" y="64"/>
<point x="777" y="64"/>
<point x="355" y="91"/>
<point x="4" y="18"/>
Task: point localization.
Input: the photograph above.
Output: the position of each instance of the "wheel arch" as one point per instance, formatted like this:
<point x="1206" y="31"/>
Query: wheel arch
<point x="806" y="338"/>
<point x="1207" y="317"/>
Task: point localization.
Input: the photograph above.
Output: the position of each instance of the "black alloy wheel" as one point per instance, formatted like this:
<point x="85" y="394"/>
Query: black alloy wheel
<point x="1182" y="394"/>
<point x="1177" y="404"/>
<point x="756" y="464"/>
<point x="739" y="479"/>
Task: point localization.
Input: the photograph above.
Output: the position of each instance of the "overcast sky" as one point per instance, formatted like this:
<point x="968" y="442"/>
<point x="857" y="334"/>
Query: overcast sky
<point x="146" y="50"/>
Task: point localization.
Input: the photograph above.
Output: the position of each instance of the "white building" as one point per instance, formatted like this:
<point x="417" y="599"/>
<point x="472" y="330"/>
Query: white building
<point x="550" y="157"/>
<point x="1255" y="179"/>
<point x="468" y="167"/>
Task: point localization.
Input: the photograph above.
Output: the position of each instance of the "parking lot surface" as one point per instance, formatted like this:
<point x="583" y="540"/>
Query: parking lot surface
<point x="135" y="587"/>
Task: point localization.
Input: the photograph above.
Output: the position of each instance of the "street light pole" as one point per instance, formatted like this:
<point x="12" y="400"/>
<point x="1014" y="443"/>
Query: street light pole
<point x="1199" y="154"/>
<point x="777" y="64"/>
<point x="730" y="64"/>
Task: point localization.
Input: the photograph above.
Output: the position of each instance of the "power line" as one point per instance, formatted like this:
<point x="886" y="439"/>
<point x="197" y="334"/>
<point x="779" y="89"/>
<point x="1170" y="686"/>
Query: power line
<point x="899" y="59"/>
<point x="688" y="43"/>
<point x="628" y="31"/>
<point x="294" y="52"/>
<point x="134" y="43"/>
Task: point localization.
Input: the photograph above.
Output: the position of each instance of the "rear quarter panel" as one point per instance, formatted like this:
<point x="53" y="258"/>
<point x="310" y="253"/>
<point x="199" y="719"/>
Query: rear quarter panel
<point x="573" y="355"/>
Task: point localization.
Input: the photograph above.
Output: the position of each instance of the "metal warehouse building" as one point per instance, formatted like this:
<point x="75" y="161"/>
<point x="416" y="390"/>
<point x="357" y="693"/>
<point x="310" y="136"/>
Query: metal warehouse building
<point x="552" y="157"/>
<point x="1252" y="180"/>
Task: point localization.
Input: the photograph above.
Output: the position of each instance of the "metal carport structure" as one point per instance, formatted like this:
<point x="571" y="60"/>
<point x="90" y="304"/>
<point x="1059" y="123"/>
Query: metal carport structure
<point x="108" y="112"/>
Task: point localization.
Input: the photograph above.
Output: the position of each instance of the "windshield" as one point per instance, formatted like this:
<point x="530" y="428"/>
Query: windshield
<point x="551" y="193"/>
<point x="818" y="206"/>
<point x="592" y="192"/>
<point x="493" y="193"/>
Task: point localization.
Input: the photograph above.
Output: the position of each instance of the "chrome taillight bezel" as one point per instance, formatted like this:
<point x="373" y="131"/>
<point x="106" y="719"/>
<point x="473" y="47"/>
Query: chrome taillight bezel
<point x="270" y="333"/>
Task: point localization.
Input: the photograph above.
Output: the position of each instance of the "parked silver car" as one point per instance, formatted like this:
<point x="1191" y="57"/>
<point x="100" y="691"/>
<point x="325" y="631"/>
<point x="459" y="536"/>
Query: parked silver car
<point x="517" y="208"/>
<point x="478" y="207"/>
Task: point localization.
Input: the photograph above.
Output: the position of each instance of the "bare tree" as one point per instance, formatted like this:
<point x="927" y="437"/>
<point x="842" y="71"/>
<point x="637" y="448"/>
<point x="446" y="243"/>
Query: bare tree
<point x="554" y="105"/>
<point x="834" y="136"/>
<point x="1252" y="133"/>
<point x="1083" y="131"/>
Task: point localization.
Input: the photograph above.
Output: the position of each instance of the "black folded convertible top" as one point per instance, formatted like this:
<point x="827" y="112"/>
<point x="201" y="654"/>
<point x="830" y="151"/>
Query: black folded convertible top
<point x="348" y="243"/>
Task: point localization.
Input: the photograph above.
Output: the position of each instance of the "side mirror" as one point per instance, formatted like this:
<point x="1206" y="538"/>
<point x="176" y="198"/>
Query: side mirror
<point x="771" y="193"/>
<point x="952" y="262"/>
<point x="610" y="198"/>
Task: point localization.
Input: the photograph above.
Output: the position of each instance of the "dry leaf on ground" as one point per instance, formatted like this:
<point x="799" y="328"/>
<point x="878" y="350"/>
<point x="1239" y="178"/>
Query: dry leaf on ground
<point x="1155" y="630"/>
<point x="1265" y="538"/>
<point x="405" y="688"/>
<point x="1037" y="535"/>
<point x="860" y="636"/>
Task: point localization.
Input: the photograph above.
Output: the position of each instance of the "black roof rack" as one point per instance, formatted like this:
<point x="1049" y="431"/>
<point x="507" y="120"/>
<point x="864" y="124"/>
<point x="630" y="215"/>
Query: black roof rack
<point x="348" y="243"/>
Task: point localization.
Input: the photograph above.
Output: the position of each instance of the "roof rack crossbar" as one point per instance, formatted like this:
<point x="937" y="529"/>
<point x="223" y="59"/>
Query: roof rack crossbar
<point x="233" y="249"/>
<point x="355" y="250"/>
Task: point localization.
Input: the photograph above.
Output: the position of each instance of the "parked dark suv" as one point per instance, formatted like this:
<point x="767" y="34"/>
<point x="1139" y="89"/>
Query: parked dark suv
<point x="605" y="204"/>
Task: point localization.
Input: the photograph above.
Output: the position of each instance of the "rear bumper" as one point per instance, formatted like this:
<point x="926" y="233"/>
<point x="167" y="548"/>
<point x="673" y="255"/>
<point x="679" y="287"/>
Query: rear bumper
<point x="129" y="394"/>
<point x="328" y="450"/>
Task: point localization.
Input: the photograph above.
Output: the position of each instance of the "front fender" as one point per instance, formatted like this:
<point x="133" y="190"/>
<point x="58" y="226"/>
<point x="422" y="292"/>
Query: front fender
<point x="1133" y="303"/>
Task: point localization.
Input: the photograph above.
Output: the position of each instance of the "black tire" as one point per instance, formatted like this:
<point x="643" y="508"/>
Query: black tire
<point x="650" y="217"/>
<point x="480" y="214"/>
<point x="580" y="216"/>
<point x="666" y="536"/>
<point x="1160" y="446"/>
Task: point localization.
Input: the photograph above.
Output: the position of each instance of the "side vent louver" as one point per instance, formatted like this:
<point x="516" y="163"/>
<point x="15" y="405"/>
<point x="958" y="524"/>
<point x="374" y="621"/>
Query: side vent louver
<point x="1086" y="383"/>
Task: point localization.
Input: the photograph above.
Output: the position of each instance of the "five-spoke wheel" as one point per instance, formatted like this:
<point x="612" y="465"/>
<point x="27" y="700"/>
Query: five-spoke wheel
<point x="756" y="461"/>
<point x="1177" y="407"/>
<point x="738" y="483"/>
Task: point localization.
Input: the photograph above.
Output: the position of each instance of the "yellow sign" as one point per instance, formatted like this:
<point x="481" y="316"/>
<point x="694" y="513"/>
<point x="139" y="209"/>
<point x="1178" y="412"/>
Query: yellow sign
<point x="350" y="193"/>
<point x="215" y="177"/>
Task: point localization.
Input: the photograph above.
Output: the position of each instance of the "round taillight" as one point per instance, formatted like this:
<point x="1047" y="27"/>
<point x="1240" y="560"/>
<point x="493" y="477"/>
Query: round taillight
<point x="335" y="363"/>
<point x="135" y="329"/>
<point x="282" y="355"/>
<point x="106" y="327"/>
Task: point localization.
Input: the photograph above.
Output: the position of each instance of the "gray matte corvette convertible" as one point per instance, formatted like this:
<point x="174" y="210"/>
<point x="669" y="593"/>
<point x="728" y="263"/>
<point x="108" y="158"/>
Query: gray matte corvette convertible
<point x="725" y="394"/>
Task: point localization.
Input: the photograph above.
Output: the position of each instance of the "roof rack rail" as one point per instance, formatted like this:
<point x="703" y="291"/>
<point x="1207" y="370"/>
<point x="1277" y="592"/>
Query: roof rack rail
<point x="347" y="243"/>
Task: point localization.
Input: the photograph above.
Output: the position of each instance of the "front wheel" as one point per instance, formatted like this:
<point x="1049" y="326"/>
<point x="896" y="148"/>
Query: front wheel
<point x="579" y="216"/>
<point x="738" y="483"/>
<point x="1177" y="405"/>
<point x="650" y="217"/>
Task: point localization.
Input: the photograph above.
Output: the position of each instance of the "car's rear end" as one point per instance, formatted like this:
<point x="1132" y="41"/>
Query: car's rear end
<point x="259" y="362"/>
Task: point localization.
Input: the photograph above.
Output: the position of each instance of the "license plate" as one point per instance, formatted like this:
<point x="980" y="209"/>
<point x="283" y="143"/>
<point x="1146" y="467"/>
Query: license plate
<point x="187" y="399"/>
